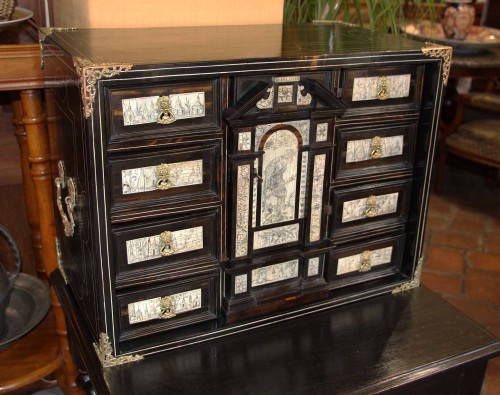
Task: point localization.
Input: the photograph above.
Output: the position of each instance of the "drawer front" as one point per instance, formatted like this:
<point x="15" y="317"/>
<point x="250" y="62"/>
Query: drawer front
<point x="183" y="176"/>
<point x="167" y="307"/>
<point x="373" y="149"/>
<point x="363" y="209"/>
<point x="386" y="88"/>
<point x="144" y="251"/>
<point x="167" y="109"/>
<point x="365" y="261"/>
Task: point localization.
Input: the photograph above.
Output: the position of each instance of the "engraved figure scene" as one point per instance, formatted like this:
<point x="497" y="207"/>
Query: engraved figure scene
<point x="147" y="248"/>
<point x="151" y="309"/>
<point x="146" y="179"/>
<point x="273" y="273"/>
<point x="144" y="110"/>
<point x="279" y="173"/>
<point x="353" y="263"/>
<point x="368" y="88"/>
<point x="361" y="150"/>
<point x="276" y="236"/>
<point x="368" y="207"/>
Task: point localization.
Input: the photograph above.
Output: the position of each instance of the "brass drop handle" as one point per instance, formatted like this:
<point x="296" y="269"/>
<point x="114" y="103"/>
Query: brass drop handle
<point x="163" y="181"/>
<point x="167" y="243"/>
<point x="376" y="150"/>
<point x="366" y="261"/>
<point x="371" y="208"/>
<point x="165" y="113"/>
<point x="167" y="308"/>
<point x="382" y="89"/>
<point x="70" y="200"/>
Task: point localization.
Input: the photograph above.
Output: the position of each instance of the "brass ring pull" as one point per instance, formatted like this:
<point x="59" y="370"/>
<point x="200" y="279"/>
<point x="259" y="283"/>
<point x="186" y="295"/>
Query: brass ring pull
<point x="163" y="177"/>
<point x="383" y="90"/>
<point x="167" y="308"/>
<point x="376" y="150"/>
<point x="166" y="243"/>
<point x="70" y="200"/>
<point x="366" y="262"/>
<point x="165" y="113"/>
<point x="371" y="209"/>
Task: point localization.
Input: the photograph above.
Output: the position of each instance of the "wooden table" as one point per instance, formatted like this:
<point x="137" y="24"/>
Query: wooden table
<point x="20" y="73"/>
<point x="413" y="342"/>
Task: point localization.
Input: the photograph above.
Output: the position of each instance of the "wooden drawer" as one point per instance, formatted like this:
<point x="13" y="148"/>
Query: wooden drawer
<point x="364" y="150"/>
<point x="365" y="261"/>
<point x="144" y="251"/>
<point x="366" y="208"/>
<point x="382" y="88"/>
<point x="134" y="112"/>
<point x="183" y="176"/>
<point x="168" y="306"/>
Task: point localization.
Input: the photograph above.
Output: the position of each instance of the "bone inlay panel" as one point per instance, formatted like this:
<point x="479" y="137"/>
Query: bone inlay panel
<point x="317" y="197"/>
<point x="147" y="248"/>
<point x="353" y="263"/>
<point x="240" y="284"/>
<point x="143" y="110"/>
<point x="313" y="266"/>
<point x="357" y="209"/>
<point x="302" y="126"/>
<point x="242" y="210"/>
<point x="275" y="236"/>
<point x="279" y="173"/>
<point x="150" y="309"/>
<point x="303" y="184"/>
<point x="322" y="132"/>
<point x="144" y="179"/>
<point x="273" y="273"/>
<point x="360" y="150"/>
<point x="244" y="141"/>
<point x="365" y="88"/>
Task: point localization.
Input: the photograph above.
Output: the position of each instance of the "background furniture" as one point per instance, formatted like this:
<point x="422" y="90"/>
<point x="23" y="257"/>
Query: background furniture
<point x="45" y="350"/>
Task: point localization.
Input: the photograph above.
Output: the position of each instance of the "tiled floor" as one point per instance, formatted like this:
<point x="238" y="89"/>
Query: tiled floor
<point x="462" y="252"/>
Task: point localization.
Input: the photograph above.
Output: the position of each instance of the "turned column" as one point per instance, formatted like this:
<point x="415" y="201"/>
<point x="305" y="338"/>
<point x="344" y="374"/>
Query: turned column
<point x="40" y="161"/>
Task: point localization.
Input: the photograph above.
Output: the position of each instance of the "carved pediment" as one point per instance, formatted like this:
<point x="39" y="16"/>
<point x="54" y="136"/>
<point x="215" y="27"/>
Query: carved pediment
<point x="285" y="94"/>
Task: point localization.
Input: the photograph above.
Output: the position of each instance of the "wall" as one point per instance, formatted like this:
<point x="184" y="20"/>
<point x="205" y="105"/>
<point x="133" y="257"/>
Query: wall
<point x="152" y="13"/>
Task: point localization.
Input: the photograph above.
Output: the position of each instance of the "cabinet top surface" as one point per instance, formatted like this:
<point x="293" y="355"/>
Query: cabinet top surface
<point x="226" y="43"/>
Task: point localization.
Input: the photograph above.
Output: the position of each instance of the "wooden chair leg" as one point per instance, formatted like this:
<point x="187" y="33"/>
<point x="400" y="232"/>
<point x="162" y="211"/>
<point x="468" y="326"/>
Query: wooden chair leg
<point x="39" y="158"/>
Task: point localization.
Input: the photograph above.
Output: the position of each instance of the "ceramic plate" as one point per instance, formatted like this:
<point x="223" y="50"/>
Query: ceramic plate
<point x="19" y="16"/>
<point x="479" y="38"/>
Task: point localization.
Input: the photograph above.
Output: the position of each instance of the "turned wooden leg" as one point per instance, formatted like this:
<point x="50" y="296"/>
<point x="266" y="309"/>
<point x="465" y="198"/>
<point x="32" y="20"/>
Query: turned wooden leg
<point x="39" y="158"/>
<point x="28" y="186"/>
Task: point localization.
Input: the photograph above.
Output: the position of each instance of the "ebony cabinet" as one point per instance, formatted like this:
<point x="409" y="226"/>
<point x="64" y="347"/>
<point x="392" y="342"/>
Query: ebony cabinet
<point x="211" y="180"/>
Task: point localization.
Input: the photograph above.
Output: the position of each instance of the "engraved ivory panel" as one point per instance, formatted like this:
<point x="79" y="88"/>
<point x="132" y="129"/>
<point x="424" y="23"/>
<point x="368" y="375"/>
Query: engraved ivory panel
<point x="317" y="197"/>
<point x="240" y="284"/>
<point x="365" y="88"/>
<point x="279" y="173"/>
<point x="274" y="273"/>
<point x="144" y="179"/>
<point x="321" y="132"/>
<point x="143" y="110"/>
<point x="302" y="126"/>
<point x="147" y="248"/>
<point x="360" y="150"/>
<point x="356" y="209"/>
<point x="303" y="183"/>
<point x="275" y="236"/>
<point x="313" y="266"/>
<point x="150" y="309"/>
<point x="242" y="210"/>
<point x="244" y="141"/>
<point x="285" y="93"/>
<point x="353" y="263"/>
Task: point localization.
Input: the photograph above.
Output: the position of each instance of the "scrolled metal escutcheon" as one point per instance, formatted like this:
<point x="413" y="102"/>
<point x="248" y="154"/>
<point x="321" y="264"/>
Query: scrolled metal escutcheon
<point x="366" y="261"/>
<point x="70" y="200"/>
<point x="167" y="308"/>
<point x="166" y="243"/>
<point x="383" y="91"/>
<point x="371" y="209"/>
<point x="376" y="149"/>
<point x="163" y="177"/>
<point x="165" y="113"/>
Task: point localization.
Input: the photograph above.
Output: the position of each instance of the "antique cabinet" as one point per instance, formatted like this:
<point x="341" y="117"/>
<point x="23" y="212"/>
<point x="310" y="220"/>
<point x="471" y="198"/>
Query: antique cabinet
<point x="216" y="179"/>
